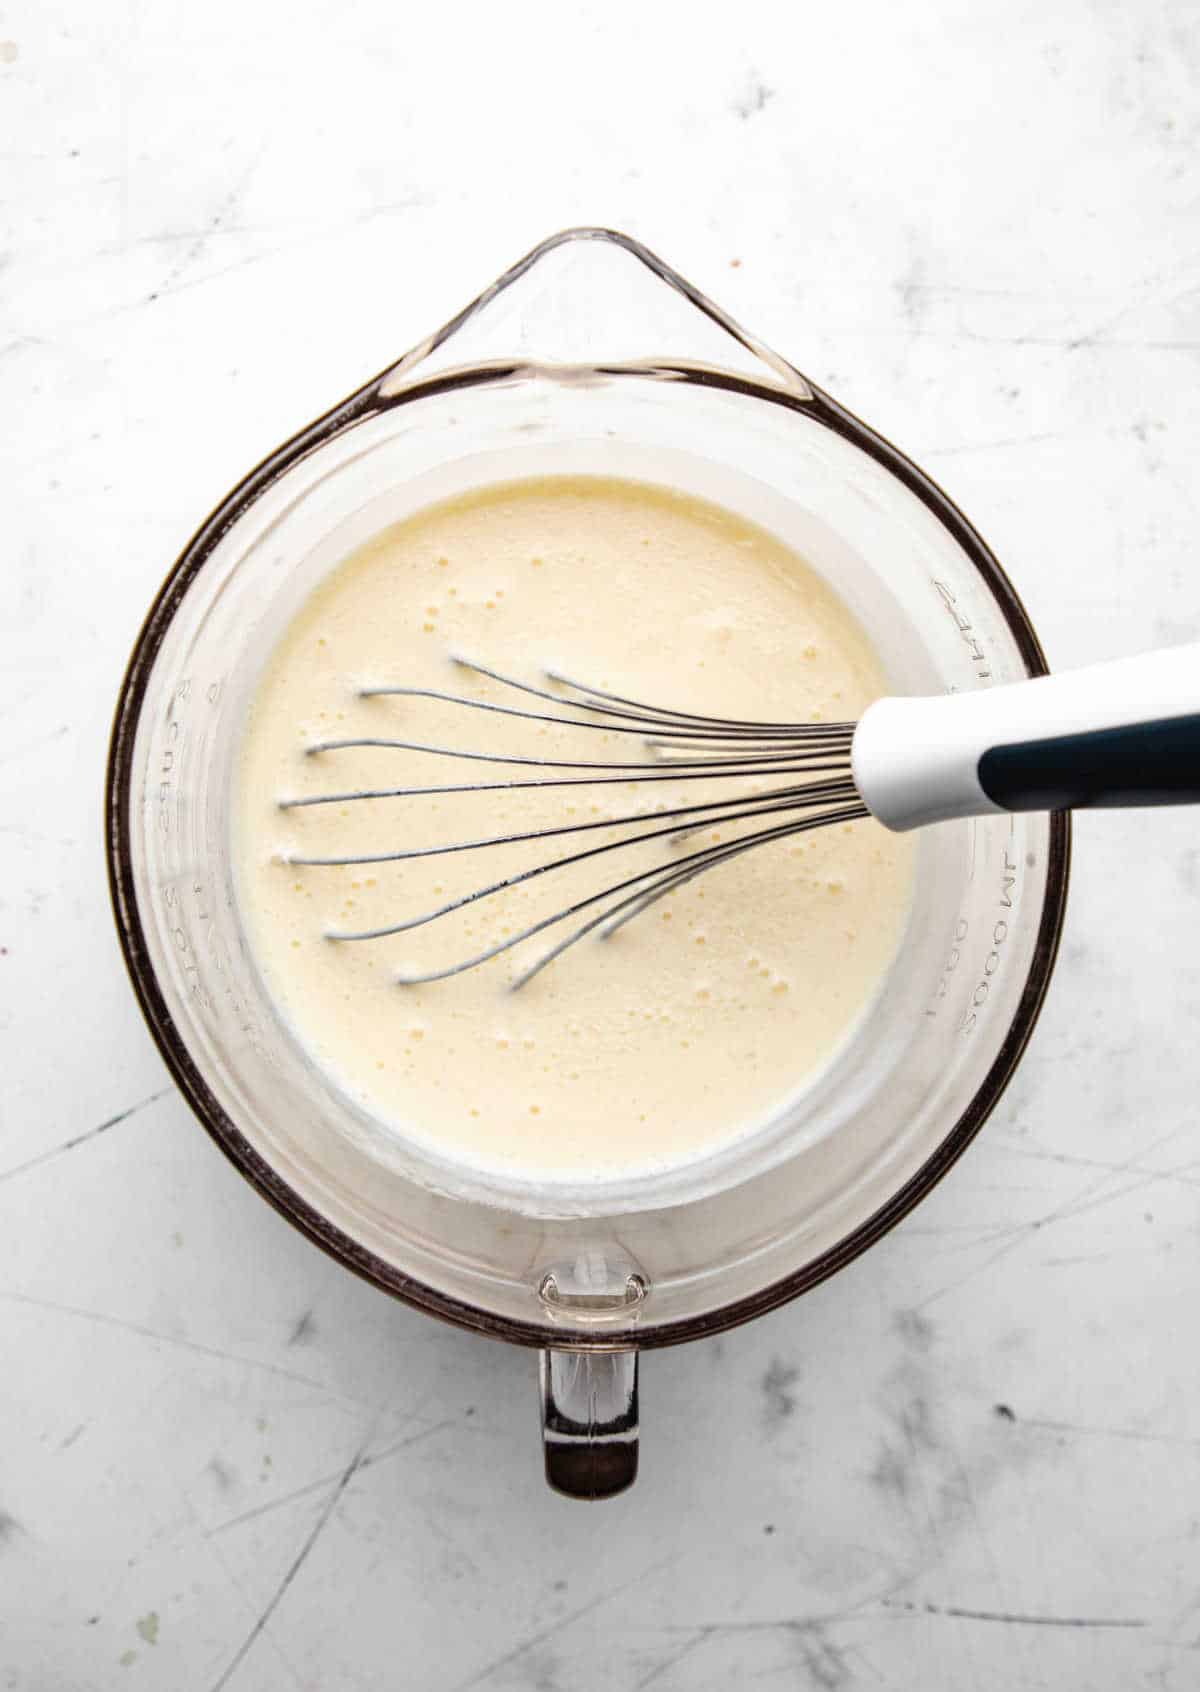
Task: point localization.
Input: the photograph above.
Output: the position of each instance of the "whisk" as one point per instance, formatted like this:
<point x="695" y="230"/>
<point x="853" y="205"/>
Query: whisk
<point x="1114" y="734"/>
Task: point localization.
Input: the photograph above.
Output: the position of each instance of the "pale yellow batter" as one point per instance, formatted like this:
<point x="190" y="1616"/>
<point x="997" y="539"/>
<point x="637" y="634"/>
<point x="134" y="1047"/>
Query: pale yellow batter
<point x="696" y="1021"/>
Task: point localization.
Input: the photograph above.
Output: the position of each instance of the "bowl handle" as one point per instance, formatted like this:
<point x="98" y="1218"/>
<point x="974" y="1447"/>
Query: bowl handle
<point x="590" y="1421"/>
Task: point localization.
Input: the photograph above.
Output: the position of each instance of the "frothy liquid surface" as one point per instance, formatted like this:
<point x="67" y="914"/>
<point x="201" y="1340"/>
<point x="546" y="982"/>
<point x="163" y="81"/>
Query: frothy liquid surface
<point x="695" y="1022"/>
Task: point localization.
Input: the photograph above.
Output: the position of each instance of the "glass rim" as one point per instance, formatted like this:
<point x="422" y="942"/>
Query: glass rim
<point x="368" y="400"/>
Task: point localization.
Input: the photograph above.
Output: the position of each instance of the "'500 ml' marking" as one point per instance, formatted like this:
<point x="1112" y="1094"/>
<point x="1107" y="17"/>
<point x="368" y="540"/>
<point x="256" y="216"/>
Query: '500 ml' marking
<point x="965" y="628"/>
<point x="953" y="959"/>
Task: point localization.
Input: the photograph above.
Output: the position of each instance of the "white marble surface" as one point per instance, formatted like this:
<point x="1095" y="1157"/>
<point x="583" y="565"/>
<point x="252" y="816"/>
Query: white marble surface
<point x="979" y="225"/>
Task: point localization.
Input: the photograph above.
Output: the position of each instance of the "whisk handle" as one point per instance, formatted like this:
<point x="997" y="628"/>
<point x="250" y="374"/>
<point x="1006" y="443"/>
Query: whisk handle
<point x="1121" y="733"/>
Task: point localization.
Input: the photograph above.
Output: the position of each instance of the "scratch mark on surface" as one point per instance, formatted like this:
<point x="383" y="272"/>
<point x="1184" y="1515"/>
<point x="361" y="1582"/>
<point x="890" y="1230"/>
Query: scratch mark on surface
<point x="1070" y="344"/>
<point x="1074" y="1160"/>
<point x="220" y="218"/>
<point x="1081" y="1257"/>
<point x="283" y="250"/>
<point x="1092" y="1196"/>
<point x="825" y="1665"/>
<point x="660" y="1668"/>
<point x="1100" y="332"/>
<point x="989" y="446"/>
<point x="88" y="1134"/>
<point x="1014" y="1618"/>
<point x="408" y="1439"/>
<point x="966" y="1505"/>
<point x="323" y="1481"/>
<point x="331" y="1504"/>
<point x="792" y="1624"/>
<point x="172" y="285"/>
<point x="1095" y="1430"/>
<point x="243" y="1607"/>
<point x="281" y="1503"/>
<point x="158" y="1338"/>
<point x="74" y="1434"/>
<point x="10" y="1527"/>
<point x="535" y="1639"/>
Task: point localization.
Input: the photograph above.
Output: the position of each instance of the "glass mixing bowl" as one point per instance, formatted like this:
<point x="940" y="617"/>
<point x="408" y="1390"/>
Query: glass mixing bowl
<point x="589" y="356"/>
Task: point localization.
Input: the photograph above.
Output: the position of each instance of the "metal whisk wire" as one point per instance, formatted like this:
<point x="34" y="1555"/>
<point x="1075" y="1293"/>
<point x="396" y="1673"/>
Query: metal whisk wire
<point x="683" y="746"/>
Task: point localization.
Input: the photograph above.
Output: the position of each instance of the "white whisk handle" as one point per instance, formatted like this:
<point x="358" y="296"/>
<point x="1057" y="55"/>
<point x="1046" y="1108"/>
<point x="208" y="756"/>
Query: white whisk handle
<point x="1121" y="733"/>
